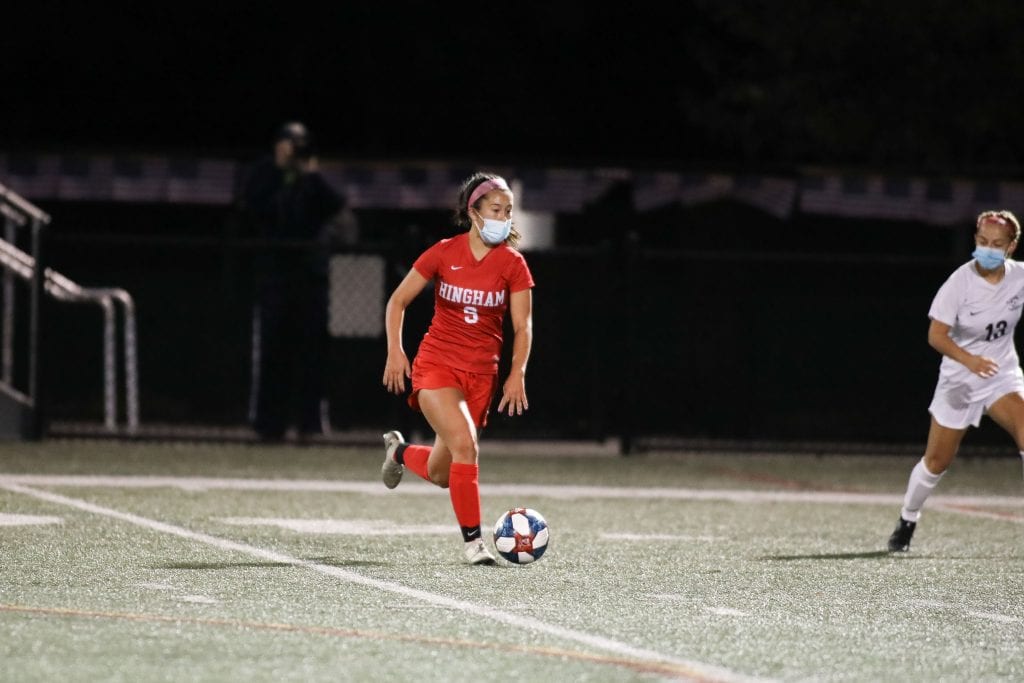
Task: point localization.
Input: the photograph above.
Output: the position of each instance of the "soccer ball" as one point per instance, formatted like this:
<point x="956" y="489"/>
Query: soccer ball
<point x="521" y="535"/>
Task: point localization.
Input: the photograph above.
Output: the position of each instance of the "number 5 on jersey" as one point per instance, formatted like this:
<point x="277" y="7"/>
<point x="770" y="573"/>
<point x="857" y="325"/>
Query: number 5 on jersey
<point x="471" y="314"/>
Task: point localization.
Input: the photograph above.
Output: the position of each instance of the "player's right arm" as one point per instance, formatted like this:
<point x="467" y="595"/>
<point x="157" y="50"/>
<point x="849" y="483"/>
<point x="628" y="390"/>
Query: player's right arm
<point x="939" y="339"/>
<point x="397" y="368"/>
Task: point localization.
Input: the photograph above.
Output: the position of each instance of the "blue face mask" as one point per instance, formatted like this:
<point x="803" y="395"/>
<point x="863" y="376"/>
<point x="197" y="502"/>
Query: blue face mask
<point x="495" y="232"/>
<point x="989" y="258"/>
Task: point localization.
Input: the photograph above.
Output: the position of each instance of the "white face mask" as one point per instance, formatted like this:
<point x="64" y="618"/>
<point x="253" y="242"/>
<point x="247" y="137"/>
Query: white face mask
<point x="495" y="232"/>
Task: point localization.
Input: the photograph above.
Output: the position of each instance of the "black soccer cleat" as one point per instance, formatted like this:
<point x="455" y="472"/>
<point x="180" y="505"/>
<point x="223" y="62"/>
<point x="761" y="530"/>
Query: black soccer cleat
<point x="899" y="542"/>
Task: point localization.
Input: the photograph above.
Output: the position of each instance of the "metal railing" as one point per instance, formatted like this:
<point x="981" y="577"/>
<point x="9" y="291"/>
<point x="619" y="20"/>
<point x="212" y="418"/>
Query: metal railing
<point x="16" y="263"/>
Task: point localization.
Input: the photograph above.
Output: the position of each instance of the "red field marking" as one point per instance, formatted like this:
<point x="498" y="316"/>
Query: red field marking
<point x="675" y="671"/>
<point x="982" y="512"/>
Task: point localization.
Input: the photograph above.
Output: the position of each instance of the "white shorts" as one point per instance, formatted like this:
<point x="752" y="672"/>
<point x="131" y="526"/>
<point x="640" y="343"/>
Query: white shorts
<point x="957" y="406"/>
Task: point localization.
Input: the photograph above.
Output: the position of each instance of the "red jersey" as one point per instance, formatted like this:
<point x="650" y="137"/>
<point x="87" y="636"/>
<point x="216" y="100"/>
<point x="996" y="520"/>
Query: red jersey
<point x="470" y="300"/>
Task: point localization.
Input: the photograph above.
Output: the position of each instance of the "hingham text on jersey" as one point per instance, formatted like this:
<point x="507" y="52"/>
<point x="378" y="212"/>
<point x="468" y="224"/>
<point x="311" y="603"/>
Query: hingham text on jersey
<point x="474" y="297"/>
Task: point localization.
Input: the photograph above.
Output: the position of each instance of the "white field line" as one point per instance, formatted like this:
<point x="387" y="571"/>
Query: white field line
<point x="696" y="669"/>
<point x="7" y="519"/>
<point x="519" y="489"/>
<point x="658" y="537"/>
<point x="198" y="599"/>
<point x="342" y="527"/>
<point x="991" y="616"/>
<point x="726" y="612"/>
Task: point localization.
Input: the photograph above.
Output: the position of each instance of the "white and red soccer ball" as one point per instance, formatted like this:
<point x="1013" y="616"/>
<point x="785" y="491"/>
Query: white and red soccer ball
<point x="521" y="535"/>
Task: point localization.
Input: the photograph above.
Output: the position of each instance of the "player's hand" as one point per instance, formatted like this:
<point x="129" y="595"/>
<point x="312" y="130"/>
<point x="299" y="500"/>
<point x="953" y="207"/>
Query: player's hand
<point x="513" y="395"/>
<point x="983" y="366"/>
<point x="395" y="371"/>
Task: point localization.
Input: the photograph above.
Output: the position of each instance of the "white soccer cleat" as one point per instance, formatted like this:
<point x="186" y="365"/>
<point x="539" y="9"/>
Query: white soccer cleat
<point x="477" y="553"/>
<point x="391" y="471"/>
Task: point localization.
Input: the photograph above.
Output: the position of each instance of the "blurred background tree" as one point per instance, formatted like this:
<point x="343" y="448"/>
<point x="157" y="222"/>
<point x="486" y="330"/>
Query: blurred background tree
<point x="924" y="86"/>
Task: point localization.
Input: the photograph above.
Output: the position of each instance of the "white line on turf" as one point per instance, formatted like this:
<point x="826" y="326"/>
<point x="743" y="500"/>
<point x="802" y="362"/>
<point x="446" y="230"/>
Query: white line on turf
<point x="518" y="489"/>
<point x="992" y="616"/>
<point x="658" y="537"/>
<point x="699" y="669"/>
<point x="7" y="519"/>
<point x="726" y="612"/>
<point x="346" y="527"/>
<point x="198" y="599"/>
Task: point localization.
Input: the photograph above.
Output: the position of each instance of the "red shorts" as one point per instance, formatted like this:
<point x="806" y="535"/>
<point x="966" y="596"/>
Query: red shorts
<point x="478" y="389"/>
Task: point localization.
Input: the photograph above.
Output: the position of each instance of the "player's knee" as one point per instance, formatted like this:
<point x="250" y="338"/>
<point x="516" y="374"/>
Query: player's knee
<point x="464" y="449"/>
<point x="938" y="463"/>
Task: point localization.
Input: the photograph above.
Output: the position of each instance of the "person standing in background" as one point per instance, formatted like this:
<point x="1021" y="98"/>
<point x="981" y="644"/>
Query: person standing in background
<point x="294" y="215"/>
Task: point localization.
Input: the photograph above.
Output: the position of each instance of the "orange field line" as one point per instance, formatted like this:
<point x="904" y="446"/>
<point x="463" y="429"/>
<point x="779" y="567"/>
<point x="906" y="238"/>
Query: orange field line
<point x="676" y="671"/>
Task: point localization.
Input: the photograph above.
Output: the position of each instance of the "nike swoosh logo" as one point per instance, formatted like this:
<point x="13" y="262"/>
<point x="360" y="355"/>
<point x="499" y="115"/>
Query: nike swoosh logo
<point x="973" y="312"/>
<point x="456" y="267"/>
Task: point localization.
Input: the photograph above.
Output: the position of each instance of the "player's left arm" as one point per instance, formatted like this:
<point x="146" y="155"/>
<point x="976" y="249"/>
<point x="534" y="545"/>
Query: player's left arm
<point x="513" y="393"/>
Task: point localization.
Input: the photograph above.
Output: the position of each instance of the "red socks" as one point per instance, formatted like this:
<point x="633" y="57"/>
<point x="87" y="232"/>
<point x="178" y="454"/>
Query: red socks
<point x="463" y="487"/>
<point x="415" y="458"/>
<point x="464" y="490"/>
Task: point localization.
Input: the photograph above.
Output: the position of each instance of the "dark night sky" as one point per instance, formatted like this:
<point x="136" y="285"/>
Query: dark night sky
<point x="922" y="86"/>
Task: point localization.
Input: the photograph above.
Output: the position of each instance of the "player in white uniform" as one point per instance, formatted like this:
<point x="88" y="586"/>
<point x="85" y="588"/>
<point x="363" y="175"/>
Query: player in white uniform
<point x="973" y="318"/>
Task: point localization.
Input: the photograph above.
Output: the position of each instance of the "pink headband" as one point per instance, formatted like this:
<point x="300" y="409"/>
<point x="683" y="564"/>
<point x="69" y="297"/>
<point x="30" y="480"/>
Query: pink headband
<point x="485" y="187"/>
<point x="992" y="218"/>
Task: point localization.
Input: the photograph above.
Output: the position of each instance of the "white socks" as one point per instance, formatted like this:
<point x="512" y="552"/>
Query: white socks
<point x="918" y="489"/>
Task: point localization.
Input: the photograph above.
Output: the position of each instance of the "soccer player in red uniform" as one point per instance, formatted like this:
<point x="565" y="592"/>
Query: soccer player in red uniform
<point x="477" y="276"/>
